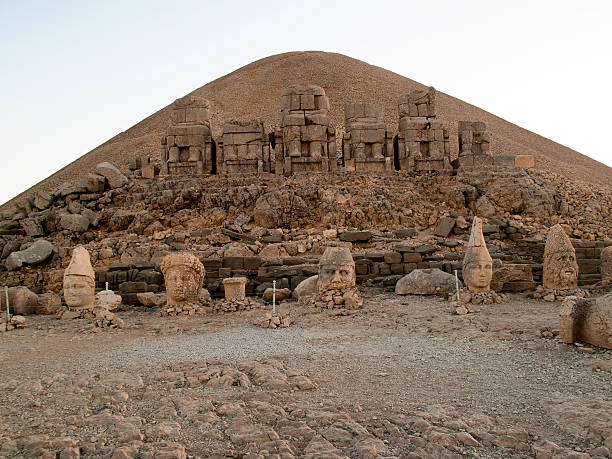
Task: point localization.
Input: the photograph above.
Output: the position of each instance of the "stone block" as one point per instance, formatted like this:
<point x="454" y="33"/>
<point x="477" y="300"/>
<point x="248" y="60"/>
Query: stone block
<point x="526" y="161"/>
<point x="132" y="287"/>
<point x="233" y="262"/>
<point x="355" y="236"/>
<point x="393" y="257"/>
<point x="445" y="227"/>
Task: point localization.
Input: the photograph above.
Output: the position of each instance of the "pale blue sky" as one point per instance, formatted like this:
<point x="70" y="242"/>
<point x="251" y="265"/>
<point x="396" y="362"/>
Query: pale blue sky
<point x="76" y="73"/>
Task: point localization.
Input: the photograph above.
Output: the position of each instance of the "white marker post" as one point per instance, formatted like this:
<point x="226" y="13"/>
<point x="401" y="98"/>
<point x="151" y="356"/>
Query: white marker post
<point x="106" y="295"/>
<point x="457" y="284"/>
<point x="273" y="298"/>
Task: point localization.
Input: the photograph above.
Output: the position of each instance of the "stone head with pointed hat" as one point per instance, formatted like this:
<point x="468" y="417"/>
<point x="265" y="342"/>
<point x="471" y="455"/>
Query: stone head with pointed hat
<point x="79" y="281"/>
<point x="336" y="269"/>
<point x="477" y="263"/>
<point x="560" y="265"/>
<point x="184" y="275"/>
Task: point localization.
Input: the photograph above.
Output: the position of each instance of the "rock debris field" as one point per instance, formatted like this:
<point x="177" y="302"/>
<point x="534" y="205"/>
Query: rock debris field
<point x="399" y="378"/>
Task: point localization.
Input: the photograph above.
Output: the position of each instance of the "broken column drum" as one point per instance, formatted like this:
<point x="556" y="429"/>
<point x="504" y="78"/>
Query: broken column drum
<point x="235" y="288"/>
<point x="304" y="142"/>
<point x="244" y="148"/>
<point x="423" y="142"/>
<point x="188" y="147"/>
<point x="366" y="145"/>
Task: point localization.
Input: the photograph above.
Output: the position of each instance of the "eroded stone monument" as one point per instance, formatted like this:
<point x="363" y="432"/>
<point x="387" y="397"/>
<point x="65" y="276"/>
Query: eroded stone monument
<point x="423" y="142"/>
<point x="305" y="141"/>
<point x="183" y="275"/>
<point x="79" y="281"/>
<point x="560" y="265"/>
<point x="336" y="281"/>
<point x="244" y="148"/>
<point x="235" y="288"/>
<point x="477" y="262"/>
<point x="588" y="320"/>
<point x="366" y="145"/>
<point x="474" y="144"/>
<point x="188" y="147"/>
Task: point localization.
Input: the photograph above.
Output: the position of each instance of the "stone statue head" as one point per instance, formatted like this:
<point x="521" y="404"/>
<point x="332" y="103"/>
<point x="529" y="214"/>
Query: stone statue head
<point x="560" y="265"/>
<point x="336" y="269"/>
<point x="184" y="275"/>
<point x="477" y="263"/>
<point x="79" y="280"/>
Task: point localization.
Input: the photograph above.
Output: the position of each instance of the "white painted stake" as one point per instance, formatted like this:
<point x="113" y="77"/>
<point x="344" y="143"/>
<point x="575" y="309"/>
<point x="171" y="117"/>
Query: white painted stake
<point x="106" y="297"/>
<point x="273" y="298"/>
<point x="457" y="284"/>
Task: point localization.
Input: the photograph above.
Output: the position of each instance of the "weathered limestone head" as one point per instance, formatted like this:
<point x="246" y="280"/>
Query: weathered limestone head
<point x="336" y="269"/>
<point x="79" y="280"/>
<point x="606" y="264"/>
<point x="184" y="275"/>
<point x="560" y="265"/>
<point x="477" y="263"/>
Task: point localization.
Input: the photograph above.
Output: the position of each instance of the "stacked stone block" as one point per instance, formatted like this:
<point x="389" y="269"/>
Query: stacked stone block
<point x="366" y="144"/>
<point x="244" y="148"/>
<point x="474" y="142"/>
<point x="304" y="142"/>
<point x="188" y="147"/>
<point x="423" y="142"/>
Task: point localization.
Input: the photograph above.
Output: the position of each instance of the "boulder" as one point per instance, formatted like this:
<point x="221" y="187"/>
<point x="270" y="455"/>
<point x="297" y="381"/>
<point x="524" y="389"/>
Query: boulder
<point x="484" y="207"/>
<point x="32" y="226"/>
<point x="43" y="200"/>
<point x="237" y="249"/>
<point x="306" y="287"/>
<point x="38" y="252"/>
<point x="107" y="297"/>
<point x="49" y="303"/>
<point x="150" y="299"/>
<point x="114" y="176"/>
<point x="73" y="222"/>
<point x="445" y="227"/>
<point x="279" y="209"/>
<point x="426" y="282"/>
<point x="21" y="300"/>
<point x="281" y="294"/>
<point x="121" y="220"/>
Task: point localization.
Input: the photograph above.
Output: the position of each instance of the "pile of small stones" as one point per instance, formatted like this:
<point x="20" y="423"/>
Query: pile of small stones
<point x="106" y="319"/>
<point x="15" y="322"/>
<point x="551" y="295"/>
<point x="271" y="320"/>
<point x="234" y="305"/>
<point x="466" y="296"/>
<point x="187" y="309"/>
<point x="330" y="299"/>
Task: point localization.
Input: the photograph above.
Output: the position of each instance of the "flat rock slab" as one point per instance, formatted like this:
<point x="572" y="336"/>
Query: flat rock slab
<point x="445" y="227"/>
<point x="355" y="236"/>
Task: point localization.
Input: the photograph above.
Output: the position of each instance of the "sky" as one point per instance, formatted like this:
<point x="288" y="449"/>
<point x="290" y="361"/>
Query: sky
<point x="73" y="74"/>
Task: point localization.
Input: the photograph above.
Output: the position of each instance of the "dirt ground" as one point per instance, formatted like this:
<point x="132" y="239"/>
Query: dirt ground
<point x="399" y="378"/>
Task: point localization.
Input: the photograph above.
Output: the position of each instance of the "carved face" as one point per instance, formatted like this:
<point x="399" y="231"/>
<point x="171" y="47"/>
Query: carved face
<point x="336" y="276"/>
<point x="78" y="292"/>
<point x="182" y="285"/>
<point x="563" y="269"/>
<point x="477" y="275"/>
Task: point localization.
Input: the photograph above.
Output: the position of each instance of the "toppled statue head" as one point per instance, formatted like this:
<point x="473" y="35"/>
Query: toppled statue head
<point x="560" y="265"/>
<point x="477" y="263"/>
<point x="79" y="281"/>
<point x="336" y="269"/>
<point x="184" y="275"/>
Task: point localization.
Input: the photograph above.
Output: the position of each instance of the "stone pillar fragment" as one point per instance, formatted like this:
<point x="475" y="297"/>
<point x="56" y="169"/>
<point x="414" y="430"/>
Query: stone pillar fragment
<point x="235" y="288"/>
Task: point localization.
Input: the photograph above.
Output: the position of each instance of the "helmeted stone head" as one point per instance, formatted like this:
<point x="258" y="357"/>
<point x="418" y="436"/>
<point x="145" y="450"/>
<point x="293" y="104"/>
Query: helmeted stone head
<point x="560" y="265"/>
<point x="336" y="269"/>
<point x="79" y="280"/>
<point x="183" y="275"/>
<point x="477" y="263"/>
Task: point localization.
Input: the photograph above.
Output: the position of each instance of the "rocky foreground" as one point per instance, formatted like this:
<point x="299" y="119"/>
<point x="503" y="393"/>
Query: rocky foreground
<point x="399" y="378"/>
